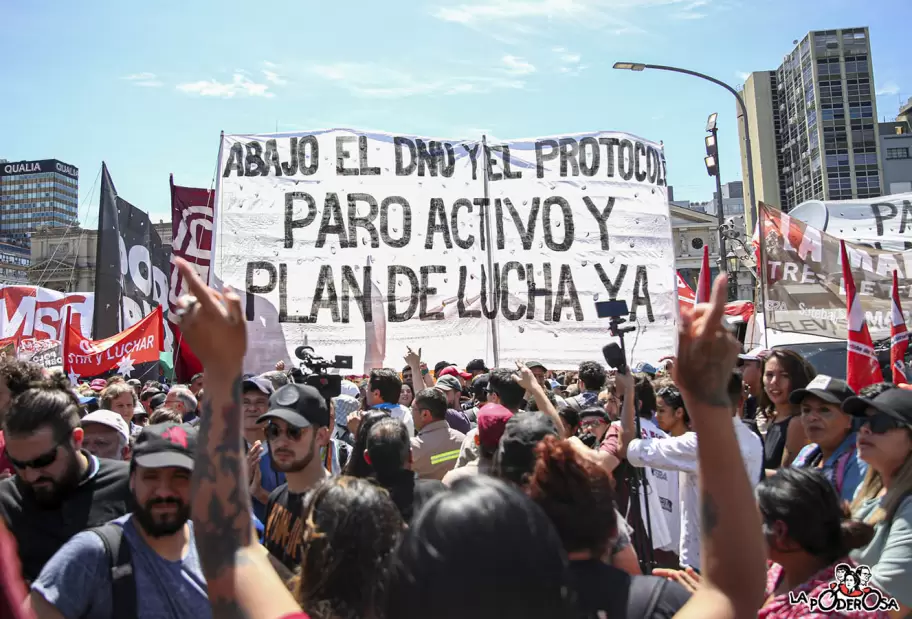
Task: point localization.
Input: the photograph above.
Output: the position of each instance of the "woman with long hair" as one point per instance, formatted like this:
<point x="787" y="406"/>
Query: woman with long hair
<point x="809" y="534"/>
<point x="578" y="497"/>
<point x="784" y="371"/>
<point x="351" y="533"/>
<point x="884" y="498"/>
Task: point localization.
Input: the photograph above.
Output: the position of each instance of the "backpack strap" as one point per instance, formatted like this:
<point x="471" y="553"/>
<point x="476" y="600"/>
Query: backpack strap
<point x="123" y="582"/>
<point x="644" y="595"/>
<point x="842" y="463"/>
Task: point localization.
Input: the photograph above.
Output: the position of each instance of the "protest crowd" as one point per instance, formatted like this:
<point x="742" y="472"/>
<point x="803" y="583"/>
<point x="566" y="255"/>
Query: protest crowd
<point x="722" y="484"/>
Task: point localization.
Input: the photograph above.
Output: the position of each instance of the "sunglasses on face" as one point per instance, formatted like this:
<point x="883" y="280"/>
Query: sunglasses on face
<point x="591" y="421"/>
<point x="273" y="431"/>
<point x="881" y="423"/>
<point x="42" y="461"/>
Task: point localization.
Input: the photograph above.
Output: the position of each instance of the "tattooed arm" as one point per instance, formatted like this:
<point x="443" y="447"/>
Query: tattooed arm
<point x="732" y="547"/>
<point x="241" y="582"/>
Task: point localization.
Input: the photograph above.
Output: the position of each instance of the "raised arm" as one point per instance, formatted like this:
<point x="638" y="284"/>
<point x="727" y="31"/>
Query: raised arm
<point x="241" y="582"/>
<point x="526" y="380"/>
<point x="733" y="553"/>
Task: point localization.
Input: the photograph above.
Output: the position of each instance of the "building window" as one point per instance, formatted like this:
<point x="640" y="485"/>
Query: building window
<point x="898" y="153"/>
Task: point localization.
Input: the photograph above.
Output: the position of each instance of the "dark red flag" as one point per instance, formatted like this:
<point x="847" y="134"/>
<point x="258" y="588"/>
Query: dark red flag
<point x="899" y="338"/>
<point x="192" y="212"/>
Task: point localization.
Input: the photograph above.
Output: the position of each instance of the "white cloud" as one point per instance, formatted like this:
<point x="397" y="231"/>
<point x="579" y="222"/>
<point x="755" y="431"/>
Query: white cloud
<point x="517" y="66"/>
<point x="569" y="62"/>
<point x="496" y="16"/>
<point x="742" y="75"/>
<point x="275" y="78"/>
<point x="145" y="80"/>
<point x="269" y="65"/>
<point x="689" y="11"/>
<point x="888" y="88"/>
<point x="372" y="80"/>
<point x="240" y="85"/>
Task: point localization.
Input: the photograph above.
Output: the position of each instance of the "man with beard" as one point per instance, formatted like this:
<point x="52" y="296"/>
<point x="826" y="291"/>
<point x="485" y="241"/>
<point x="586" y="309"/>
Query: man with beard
<point x="297" y="428"/>
<point x="15" y="377"/>
<point x="167" y="577"/>
<point x="59" y="488"/>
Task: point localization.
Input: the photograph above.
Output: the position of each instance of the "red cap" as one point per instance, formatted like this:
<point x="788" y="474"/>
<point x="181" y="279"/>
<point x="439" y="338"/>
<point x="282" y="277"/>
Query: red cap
<point x="452" y="371"/>
<point x="98" y="384"/>
<point x="492" y="419"/>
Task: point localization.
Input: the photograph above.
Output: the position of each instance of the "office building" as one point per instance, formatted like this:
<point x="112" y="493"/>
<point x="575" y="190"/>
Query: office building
<point x="34" y="194"/>
<point x="896" y="153"/>
<point x="813" y="123"/>
<point x="63" y="259"/>
<point x="14" y="262"/>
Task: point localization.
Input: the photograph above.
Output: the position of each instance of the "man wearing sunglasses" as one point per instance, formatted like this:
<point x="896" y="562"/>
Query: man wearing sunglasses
<point x="297" y="428"/>
<point x="59" y="488"/>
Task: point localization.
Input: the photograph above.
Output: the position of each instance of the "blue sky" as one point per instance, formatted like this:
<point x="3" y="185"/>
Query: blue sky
<point x="148" y="86"/>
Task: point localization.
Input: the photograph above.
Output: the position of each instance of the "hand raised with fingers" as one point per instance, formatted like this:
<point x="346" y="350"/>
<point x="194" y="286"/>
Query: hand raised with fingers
<point x="212" y="323"/>
<point x="412" y="357"/>
<point x="707" y="351"/>
<point x="524" y="376"/>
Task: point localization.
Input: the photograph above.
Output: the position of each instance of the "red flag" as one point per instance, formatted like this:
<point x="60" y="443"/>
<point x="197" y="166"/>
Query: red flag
<point x="132" y="353"/>
<point x="899" y="338"/>
<point x="686" y="296"/>
<point x="192" y="212"/>
<point x="704" y="284"/>
<point x="862" y="366"/>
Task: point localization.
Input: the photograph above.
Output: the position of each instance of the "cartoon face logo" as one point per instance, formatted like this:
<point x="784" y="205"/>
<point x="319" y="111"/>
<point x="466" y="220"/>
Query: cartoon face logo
<point x="864" y="575"/>
<point x="841" y="570"/>
<point x="851" y="581"/>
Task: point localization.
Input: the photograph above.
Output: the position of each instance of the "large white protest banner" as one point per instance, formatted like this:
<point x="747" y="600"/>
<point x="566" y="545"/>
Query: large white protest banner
<point x="361" y="244"/>
<point x="883" y="223"/>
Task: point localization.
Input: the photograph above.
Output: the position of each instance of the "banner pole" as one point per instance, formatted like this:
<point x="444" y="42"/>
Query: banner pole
<point x="761" y="269"/>
<point x="495" y="340"/>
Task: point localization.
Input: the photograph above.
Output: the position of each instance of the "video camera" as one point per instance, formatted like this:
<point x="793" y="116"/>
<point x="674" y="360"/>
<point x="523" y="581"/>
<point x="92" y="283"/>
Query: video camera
<point x="329" y="385"/>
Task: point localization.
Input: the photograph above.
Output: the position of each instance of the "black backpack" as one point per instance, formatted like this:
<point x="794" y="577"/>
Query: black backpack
<point x="123" y="583"/>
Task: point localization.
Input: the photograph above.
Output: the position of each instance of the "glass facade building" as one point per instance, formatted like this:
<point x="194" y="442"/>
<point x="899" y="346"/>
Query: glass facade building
<point x="34" y="194"/>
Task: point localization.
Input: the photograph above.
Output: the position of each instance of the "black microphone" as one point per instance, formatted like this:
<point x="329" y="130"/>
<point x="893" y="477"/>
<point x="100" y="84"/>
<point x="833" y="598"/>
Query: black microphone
<point x="615" y="357"/>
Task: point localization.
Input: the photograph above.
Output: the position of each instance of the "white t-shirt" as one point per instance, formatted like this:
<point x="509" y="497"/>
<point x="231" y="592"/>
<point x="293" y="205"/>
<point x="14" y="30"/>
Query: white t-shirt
<point x="679" y="453"/>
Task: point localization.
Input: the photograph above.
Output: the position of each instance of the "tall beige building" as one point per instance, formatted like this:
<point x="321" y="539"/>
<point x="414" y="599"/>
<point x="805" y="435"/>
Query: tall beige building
<point x="813" y="123"/>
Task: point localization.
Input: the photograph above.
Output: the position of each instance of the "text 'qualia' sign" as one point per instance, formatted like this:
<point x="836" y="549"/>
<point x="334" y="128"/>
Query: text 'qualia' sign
<point x="364" y="243"/>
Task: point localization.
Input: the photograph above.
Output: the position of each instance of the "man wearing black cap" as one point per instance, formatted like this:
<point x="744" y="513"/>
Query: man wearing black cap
<point x="477" y="367"/>
<point x="158" y="536"/>
<point x="297" y="428"/>
<point x="255" y="392"/>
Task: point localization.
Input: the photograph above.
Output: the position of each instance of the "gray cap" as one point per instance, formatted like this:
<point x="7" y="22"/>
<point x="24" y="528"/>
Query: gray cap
<point x="448" y="383"/>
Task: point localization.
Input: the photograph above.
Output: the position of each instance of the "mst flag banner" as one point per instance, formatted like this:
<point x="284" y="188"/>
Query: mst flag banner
<point x="804" y="287"/>
<point x="133" y="353"/>
<point x="132" y="265"/>
<point x="39" y="313"/>
<point x="490" y="250"/>
<point x="191" y="225"/>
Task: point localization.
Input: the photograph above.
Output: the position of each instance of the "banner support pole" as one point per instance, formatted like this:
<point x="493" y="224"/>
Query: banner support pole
<point x="761" y="269"/>
<point x="495" y="340"/>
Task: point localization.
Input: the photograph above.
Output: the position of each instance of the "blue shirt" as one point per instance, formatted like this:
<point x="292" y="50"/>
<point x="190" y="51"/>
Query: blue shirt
<point x="853" y="471"/>
<point x="269" y="479"/>
<point x="77" y="580"/>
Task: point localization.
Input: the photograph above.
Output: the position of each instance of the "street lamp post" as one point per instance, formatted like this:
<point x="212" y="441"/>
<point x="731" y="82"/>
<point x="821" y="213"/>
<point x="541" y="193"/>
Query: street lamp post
<point x="712" y="168"/>
<point x="639" y="66"/>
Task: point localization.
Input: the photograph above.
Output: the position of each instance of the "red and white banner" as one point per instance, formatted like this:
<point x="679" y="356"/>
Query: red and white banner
<point x="862" y="366"/>
<point x="35" y="312"/>
<point x="740" y="309"/>
<point x="899" y="337"/>
<point x="191" y="223"/>
<point x="132" y="353"/>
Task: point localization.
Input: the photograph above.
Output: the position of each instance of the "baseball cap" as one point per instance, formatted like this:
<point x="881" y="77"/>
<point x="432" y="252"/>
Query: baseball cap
<point x="480" y="385"/>
<point x="448" y="383"/>
<point x="645" y="368"/>
<point x="453" y="371"/>
<point x="258" y="383"/>
<point x="536" y="364"/>
<point x="301" y="406"/>
<point x="166" y="444"/>
<point x="110" y="419"/>
<point x="98" y="384"/>
<point x="157" y="400"/>
<point x="755" y="354"/>
<point x="516" y="454"/>
<point x="897" y="403"/>
<point x="440" y="365"/>
<point x="345" y="406"/>
<point x="492" y="420"/>
<point x="350" y="389"/>
<point x="477" y="365"/>
<point x="827" y="388"/>
<point x="593" y="411"/>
